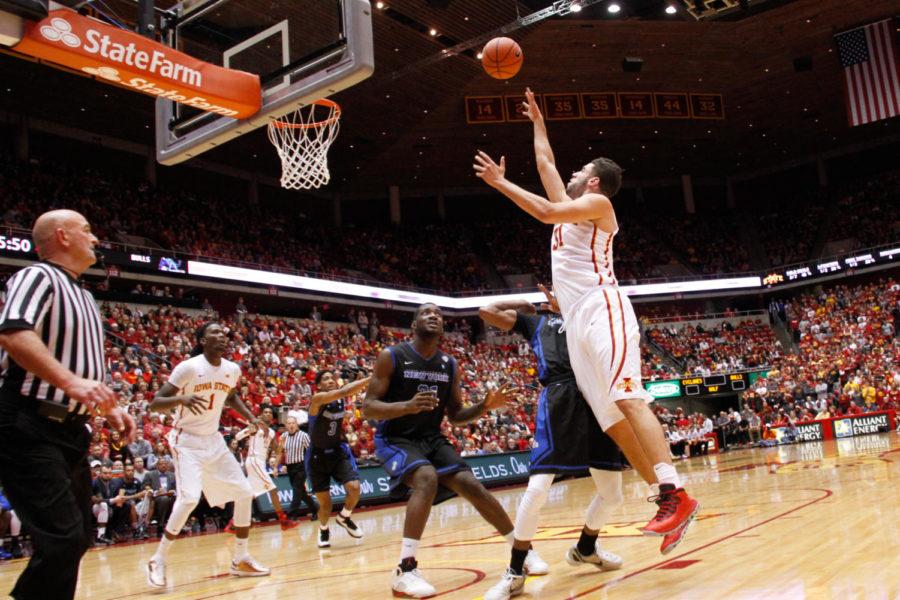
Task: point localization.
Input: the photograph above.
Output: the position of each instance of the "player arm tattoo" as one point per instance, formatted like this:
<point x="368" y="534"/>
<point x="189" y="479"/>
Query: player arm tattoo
<point x="502" y="315"/>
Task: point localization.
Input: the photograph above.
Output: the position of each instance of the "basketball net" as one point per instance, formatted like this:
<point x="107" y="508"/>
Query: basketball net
<point x="302" y="139"/>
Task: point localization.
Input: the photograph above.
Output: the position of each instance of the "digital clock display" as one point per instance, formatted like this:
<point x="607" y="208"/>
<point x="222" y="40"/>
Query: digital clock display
<point x="15" y="244"/>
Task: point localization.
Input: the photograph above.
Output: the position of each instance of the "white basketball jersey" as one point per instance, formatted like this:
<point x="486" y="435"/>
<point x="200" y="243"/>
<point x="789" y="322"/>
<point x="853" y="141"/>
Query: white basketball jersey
<point x="582" y="261"/>
<point x="197" y="377"/>
<point x="258" y="444"/>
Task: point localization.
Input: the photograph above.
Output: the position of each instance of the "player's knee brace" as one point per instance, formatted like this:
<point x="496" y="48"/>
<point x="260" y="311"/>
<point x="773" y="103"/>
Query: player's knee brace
<point x="607" y="498"/>
<point x="533" y="500"/>
<point x="609" y="486"/>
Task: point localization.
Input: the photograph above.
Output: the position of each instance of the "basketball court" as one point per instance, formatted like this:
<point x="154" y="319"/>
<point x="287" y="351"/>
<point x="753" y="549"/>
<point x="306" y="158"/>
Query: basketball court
<point x="813" y="520"/>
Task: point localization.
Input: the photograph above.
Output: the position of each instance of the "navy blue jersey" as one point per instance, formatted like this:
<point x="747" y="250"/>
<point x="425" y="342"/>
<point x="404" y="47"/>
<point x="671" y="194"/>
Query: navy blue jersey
<point x="549" y="345"/>
<point x="325" y="429"/>
<point x="413" y="374"/>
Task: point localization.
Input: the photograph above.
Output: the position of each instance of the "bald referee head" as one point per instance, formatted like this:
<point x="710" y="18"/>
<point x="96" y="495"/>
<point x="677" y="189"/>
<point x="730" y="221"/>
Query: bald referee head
<point x="64" y="238"/>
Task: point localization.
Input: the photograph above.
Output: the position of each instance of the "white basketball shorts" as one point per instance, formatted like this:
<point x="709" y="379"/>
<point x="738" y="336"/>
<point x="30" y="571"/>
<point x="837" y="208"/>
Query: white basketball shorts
<point x="604" y="339"/>
<point x="204" y="464"/>
<point x="260" y="481"/>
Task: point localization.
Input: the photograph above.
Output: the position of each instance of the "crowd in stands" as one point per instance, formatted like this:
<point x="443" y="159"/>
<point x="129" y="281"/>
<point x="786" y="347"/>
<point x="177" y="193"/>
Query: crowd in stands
<point x="654" y="366"/>
<point x="788" y="234"/>
<point x="708" y="244"/>
<point x="867" y="212"/>
<point x="442" y="256"/>
<point x="702" y="350"/>
<point x="848" y="359"/>
<point x="848" y="364"/>
<point x="229" y="227"/>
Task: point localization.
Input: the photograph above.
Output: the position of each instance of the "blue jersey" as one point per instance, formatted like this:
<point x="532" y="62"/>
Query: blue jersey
<point x="414" y="373"/>
<point x="325" y="429"/>
<point x="549" y="345"/>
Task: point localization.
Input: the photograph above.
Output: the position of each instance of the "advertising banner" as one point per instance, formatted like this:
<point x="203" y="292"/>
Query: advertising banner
<point x="374" y="483"/>
<point x="663" y="389"/>
<point x="806" y="432"/>
<point x="124" y="58"/>
<point x="861" y="425"/>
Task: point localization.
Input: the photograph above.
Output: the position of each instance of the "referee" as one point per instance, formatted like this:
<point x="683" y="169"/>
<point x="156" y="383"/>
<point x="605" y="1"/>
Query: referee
<point x="293" y="445"/>
<point x="51" y="382"/>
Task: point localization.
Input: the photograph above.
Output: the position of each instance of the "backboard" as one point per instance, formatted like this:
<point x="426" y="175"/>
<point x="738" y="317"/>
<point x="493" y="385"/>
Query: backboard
<point x="302" y="50"/>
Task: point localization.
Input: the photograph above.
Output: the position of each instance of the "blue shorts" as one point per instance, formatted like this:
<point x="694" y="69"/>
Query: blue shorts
<point x="402" y="456"/>
<point x="325" y="464"/>
<point x="567" y="436"/>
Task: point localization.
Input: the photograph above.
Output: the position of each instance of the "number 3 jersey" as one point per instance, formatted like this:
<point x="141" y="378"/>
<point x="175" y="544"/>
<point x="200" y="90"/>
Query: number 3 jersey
<point x="197" y="377"/>
<point x="325" y="429"/>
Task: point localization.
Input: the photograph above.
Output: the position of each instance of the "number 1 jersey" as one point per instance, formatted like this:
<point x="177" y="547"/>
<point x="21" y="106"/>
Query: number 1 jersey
<point x="197" y="377"/>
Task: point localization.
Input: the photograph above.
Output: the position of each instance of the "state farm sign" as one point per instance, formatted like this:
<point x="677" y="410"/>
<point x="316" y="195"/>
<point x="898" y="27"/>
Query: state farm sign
<point x="125" y="58"/>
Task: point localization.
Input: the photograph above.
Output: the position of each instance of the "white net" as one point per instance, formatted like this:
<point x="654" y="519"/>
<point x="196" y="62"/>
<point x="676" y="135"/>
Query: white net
<point x="302" y="139"/>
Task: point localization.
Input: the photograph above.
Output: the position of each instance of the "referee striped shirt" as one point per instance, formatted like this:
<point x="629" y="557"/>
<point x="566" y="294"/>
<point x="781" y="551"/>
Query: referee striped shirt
<point x="295" y="446"/>
<point x="46" y="299"/>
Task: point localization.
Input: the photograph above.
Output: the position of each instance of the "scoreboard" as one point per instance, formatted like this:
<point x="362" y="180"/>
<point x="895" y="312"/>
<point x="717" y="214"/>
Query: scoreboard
<point x="720" y="383"/>
<point x="715" y="384"/>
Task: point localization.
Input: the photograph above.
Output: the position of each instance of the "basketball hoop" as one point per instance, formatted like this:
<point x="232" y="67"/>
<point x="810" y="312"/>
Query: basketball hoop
<point x="302" y="139"/>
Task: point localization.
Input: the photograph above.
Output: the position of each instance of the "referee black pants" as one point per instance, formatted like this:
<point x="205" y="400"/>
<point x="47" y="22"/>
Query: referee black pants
<point x="45" y="475"/>
<point x="297" y="477"/>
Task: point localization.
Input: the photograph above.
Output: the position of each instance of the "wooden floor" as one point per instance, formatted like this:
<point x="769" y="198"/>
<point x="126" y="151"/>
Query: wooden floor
<point x="816" y="520"/>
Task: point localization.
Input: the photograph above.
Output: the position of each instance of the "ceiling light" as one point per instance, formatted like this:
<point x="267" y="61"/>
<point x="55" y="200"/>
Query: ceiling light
<point x="575" y="7"/>
<point x="433" y="31"/>
<point x="613" y="8"/>
<point x="670" y="9"/>
<point x="479" y="55"/>
<point x="379" y="5"/>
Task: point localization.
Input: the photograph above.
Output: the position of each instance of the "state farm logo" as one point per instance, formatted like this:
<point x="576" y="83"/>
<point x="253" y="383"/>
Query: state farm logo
<point x="107" y="73"/>
<point x="60" y="30"/>
<point x="150" y="60"/>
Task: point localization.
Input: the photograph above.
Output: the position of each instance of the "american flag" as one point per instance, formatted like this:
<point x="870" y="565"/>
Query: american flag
<point x="871" y="76"/>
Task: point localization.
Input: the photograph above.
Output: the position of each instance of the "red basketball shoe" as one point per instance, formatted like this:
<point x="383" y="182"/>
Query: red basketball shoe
<point x="287" y="523"/>
<point x="673" y="539"/>
<point x="675" y="509"/>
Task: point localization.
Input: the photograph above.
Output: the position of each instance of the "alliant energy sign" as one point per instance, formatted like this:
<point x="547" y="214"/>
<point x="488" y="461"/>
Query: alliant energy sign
<point x="861" y="425"/>
<point x="125" y="58"/>
<point x="806" y="432"/>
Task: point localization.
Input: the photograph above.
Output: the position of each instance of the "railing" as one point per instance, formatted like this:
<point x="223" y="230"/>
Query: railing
<point x="722" y="315"/>
<point x="124" y="247"/>
<point x="118" y="340"/>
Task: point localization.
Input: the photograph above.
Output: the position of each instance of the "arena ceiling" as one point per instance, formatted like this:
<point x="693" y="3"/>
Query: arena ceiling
<point x="410" y="130"/>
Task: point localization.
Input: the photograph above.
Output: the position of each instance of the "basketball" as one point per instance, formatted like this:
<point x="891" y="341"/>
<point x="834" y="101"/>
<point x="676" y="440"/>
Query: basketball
<point x="502" y="58"/>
